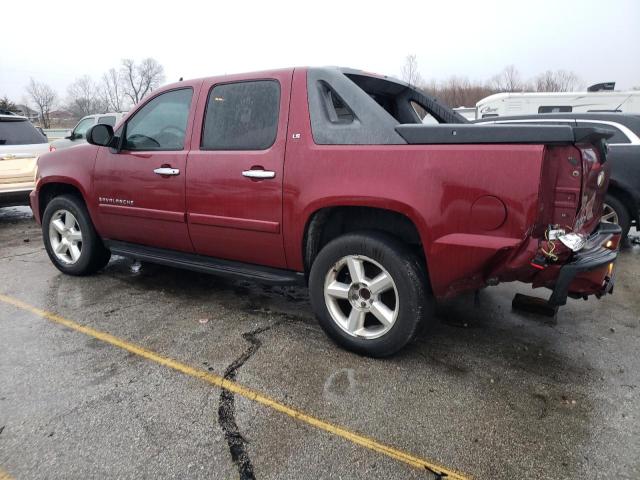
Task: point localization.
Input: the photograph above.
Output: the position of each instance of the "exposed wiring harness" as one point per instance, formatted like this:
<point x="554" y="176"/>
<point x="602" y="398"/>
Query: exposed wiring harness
<point x="548" y="252"/>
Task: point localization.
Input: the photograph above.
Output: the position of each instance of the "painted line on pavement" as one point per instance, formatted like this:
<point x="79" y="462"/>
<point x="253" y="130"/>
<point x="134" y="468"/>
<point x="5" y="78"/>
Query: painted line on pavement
<point x="243" y="391"/>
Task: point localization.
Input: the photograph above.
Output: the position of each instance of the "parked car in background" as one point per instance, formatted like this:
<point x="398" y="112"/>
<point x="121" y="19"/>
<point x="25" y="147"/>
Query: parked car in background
<point x="20" y="145"/>
<point x="328" y="176"/>
<point x="622" y="203"/>
<point x="78" y="134"/>
<point x="597" y="98"/>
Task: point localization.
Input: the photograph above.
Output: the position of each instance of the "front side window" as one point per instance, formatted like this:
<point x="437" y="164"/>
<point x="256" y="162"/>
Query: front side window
<point x="160" y="124"/>
<point x="242" y="116"/>
<point x="81" y="128"/>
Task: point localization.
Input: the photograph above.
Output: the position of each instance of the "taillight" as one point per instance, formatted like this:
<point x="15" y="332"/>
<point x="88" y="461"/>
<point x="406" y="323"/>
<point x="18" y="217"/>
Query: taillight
<point x="52" y="148"/>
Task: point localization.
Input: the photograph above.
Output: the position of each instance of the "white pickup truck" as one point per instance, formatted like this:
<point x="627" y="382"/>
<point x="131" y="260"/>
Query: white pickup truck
<point x="78" y="134"/>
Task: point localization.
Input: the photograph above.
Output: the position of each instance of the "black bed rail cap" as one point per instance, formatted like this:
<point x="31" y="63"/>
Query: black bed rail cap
<point x="500" y="134"/>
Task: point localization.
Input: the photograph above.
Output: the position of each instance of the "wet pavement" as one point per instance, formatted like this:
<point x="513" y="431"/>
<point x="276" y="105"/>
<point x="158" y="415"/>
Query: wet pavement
<point x="486" y="391"/>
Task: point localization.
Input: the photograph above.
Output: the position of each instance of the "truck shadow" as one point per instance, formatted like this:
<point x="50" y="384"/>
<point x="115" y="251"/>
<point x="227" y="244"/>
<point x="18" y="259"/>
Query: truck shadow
<point x="459" y="329"/>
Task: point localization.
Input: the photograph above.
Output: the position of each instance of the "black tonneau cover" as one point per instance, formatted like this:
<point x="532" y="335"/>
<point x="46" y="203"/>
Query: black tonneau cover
<point x="508" y="134"/>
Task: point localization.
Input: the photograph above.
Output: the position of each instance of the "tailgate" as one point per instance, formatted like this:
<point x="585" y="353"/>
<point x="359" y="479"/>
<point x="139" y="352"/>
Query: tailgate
<point x="591" y="142"/>
<point x="574" y="182"/>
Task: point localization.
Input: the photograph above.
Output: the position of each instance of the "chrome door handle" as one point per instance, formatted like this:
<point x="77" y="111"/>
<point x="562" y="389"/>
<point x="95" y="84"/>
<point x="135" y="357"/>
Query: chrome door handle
<point x="260" y="174"/>
<point x="166" y="171"/>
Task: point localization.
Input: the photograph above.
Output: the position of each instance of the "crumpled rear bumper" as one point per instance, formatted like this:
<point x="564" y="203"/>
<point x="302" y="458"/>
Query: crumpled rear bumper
<point x="591" y="270"/>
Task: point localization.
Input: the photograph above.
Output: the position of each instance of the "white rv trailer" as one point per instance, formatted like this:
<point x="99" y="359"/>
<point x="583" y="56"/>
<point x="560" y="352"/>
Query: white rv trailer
<point x="527" y="103"/>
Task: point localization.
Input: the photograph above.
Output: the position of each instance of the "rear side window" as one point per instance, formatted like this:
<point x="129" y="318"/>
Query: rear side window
<point x="242" y="116"/>
<point x="618" y="136"/>
<point x="108" y="120"/>
<point x="160" y="124"/>
<point x="554" y="109"/>
<point x="19" y="133"/>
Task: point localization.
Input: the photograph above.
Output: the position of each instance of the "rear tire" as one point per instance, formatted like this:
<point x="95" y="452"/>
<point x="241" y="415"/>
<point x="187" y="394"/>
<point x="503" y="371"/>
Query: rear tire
<point x="70" y="238"/>
<point x="375" y="318"/>
<point x="614" y="211"/>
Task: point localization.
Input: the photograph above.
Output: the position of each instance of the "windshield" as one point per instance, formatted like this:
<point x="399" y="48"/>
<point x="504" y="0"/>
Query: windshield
<point x="20" y="132"/>
<point x="82" y="127"/>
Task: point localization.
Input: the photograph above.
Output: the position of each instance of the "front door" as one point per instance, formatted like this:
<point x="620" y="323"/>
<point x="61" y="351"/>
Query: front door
<point x="140" y="190"/>
<point x="234" y="177"/>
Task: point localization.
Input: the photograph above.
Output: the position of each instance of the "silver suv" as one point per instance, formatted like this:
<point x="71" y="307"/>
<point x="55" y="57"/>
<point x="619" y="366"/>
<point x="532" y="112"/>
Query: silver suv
<point x="20" y="145"/>
<point x="77" y="135"/>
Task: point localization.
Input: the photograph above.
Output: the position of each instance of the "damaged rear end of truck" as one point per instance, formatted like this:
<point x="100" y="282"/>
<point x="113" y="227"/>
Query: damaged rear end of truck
<point x="566" y="248"/>
<point x="492" y="203"/>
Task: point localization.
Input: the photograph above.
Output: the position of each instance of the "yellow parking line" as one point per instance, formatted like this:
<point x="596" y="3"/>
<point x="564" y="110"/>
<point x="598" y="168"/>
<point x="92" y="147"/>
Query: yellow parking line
<point x="4" y="475"/>
<point x="243" y="391"/>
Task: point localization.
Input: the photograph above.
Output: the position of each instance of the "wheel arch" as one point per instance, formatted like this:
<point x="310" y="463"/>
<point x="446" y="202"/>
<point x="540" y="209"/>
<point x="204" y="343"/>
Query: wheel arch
<point x="327" y="223"/>
<point x="50" y="190"/>
<point x="627" y="199"/>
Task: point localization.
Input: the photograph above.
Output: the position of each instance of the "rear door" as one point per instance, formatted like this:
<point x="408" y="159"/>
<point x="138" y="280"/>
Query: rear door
<point x="234" y="174"/>
<point x="140" y="190"/>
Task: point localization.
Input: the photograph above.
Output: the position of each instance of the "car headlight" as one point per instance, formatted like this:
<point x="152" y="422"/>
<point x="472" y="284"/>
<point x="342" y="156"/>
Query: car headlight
<point x="601" y="178"/>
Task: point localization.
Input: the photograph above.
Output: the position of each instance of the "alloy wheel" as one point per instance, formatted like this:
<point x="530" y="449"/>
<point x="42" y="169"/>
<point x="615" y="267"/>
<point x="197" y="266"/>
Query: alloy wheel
<point x="361" y="297"/>
<point x="609" y="215"/>
<point x="65" y="237"/>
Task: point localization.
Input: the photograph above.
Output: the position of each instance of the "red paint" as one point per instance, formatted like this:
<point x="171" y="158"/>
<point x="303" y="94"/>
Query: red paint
<point x="148" y="213"/>
<point x="231" y="222"/>
<point x="217" y="191"/>
<point x="480" y="210"/>
<point x="488" y="213"/>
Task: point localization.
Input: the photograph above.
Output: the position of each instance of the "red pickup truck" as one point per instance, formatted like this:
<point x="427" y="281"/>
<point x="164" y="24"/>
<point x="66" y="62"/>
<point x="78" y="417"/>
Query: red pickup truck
<point x="328" y="177"/>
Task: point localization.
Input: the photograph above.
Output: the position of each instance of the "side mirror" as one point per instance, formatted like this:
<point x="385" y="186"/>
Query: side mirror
<point x="100" y="135"/>
<point x="70" y="136"/>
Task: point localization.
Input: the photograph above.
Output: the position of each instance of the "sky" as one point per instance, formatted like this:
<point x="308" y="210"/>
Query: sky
<point x="598" y="40"/>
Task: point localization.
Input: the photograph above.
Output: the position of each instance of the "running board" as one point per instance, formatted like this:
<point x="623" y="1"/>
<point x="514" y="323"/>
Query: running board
<point x="200" y="263"/>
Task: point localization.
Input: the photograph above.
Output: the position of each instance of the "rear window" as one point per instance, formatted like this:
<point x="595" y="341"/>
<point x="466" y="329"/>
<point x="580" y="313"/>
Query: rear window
<point x="108" y="120"/>
<point x="19" y="133"/>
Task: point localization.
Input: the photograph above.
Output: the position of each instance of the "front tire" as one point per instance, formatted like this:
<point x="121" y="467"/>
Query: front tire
<point x="70" y="238"/>
<point x="369" y="292"/>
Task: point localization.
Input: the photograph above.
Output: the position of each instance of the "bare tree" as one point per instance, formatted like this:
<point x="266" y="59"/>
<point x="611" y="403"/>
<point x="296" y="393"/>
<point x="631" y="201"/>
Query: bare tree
<point x="138" y="80"/>
<point x="509" y="80"/>
<point x="558" y="81"/>
<point x="458" y="91"/>
<point x="410" y="72"/>
<point x="113" y="91"/>
<point x="84" y="97"/>
<point x="44" y="97"/>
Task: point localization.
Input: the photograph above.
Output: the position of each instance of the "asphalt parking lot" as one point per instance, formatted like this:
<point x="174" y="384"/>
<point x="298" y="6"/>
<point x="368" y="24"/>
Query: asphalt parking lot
<point x="487" y="392"/>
